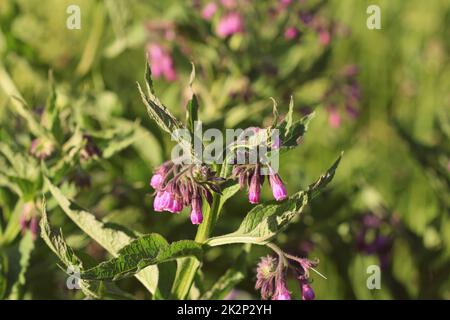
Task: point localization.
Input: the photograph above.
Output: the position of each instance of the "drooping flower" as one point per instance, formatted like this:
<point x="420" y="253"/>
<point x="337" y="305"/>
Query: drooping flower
<point x="159" y="175"/>
<point x="278" y="189"/>
<point x="196" y="213"/>
<point x="161" y="62"/>
<point x="209" y="10"/>
<point x="254" y="191"/>
<point x="281" y="291"/>
<point x="230" y="24"/>
<point x="307" y="291"/>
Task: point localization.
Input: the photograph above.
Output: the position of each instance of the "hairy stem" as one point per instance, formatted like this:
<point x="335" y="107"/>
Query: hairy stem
<point x="189" y="267"/>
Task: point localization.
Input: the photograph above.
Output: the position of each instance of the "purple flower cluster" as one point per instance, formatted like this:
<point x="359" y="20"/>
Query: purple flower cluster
<point x="343" y="94"/>
<point x="161" y="62"/>
<point x="42" y="148"/>
<point x="375" y="236"/>
<point x="304" y="20"/>
<point x="178" y="186"/>
<point x="250" y="175"/>
<point x="230" y="21"/>
<point x="271" y="277"/>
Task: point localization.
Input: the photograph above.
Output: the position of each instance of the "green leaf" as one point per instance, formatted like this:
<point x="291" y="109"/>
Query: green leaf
<point x="110" y="237"/>
<point x="192" y="106"/>
<point x="230" y="279"/>
<point x="156" y="110"/>
<point x="229" y="188"/>
<point x="162" y="116"/>
<point x="192" y="113"/>
<point x="56" y="242"/>
<point x="291" y="132"/>
<point x="266" y="220"/>
<point x="147" y="250"/>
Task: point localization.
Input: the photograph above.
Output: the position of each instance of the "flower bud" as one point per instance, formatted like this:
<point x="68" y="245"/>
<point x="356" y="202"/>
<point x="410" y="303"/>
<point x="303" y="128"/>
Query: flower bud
<point x="278" y="189"/>
<point x="307" y="292"/>
<point x="196" y="213"/>
<point x="254" y="192"/>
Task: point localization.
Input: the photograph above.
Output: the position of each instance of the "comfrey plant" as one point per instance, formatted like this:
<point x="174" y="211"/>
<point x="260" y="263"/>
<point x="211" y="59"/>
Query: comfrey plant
<point x="203" y="181"/>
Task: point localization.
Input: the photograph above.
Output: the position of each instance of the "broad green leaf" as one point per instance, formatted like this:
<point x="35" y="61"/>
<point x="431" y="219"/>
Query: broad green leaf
<point x="230" y="279"/>
<point x="162" y="116"/>
<point x="264" y="221"/>
<point x="147" y="250"/>
<point x="109" y="237"/>
<point x="156" y="110"/>
<point x="229" y="189"/>
<point x="56" y="242"/>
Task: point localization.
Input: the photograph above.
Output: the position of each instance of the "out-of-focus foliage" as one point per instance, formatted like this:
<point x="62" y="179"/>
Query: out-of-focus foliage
<point x="380" y="95"/>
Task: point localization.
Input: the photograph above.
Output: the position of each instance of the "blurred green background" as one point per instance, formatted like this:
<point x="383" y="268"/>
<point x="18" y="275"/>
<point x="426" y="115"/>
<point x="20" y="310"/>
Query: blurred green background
<point x="396" y="166"/>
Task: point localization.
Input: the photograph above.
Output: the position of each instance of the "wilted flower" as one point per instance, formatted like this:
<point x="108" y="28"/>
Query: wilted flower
<point x="90" y="149"/>
<point x="281" y="292"/>
<point x="265" y="276"/>
<point x="161" y="62"/>
<point x="41" y="148"/>
<point x="271" y="277"/>
<point x="230" y="24"/>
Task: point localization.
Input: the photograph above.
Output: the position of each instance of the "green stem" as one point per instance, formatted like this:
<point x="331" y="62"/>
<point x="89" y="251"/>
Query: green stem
<point x="189" y="267"/>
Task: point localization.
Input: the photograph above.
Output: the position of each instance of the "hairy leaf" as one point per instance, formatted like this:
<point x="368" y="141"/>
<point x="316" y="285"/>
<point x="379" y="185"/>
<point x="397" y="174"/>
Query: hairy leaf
<point x="265" y="220"/>
<point x="147" y="250"/>
<point x="110" y="237"/>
